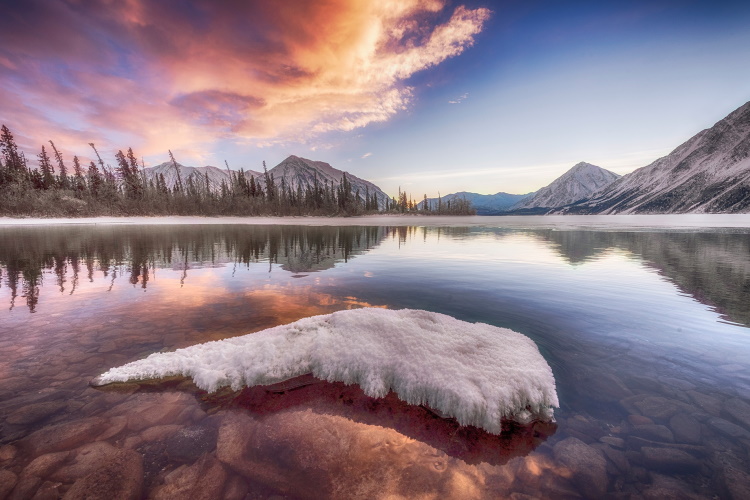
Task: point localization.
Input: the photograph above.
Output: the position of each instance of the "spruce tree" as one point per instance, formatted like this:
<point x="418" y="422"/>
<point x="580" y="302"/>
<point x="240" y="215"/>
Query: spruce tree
<point x="64" y="183"/>
<point x="45" y="166"/>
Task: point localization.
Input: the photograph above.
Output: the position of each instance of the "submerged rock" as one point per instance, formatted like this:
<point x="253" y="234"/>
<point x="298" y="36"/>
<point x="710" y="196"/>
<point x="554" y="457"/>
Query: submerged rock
<point x="204" y="480"/>
<point x="669" y="460"/>
<point x="63" y="436"/>
<point x="738" y="410"/>
<point x="8" y="481"/>
<point x="31" y="414"/>
<point x="120" y="477"/>
<point x="686" y="429"/>
<point x="586" y="466"/>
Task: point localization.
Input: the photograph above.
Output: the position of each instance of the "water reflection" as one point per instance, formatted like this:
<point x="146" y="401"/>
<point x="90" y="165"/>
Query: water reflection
<point x="28" y="255"/>
<point x="654" y="386"/>
<point x="714" y="268"/>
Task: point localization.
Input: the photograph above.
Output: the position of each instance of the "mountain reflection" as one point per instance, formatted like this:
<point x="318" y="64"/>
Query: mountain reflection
<point x="29" y="256"/>
<point x="714" y="268"/>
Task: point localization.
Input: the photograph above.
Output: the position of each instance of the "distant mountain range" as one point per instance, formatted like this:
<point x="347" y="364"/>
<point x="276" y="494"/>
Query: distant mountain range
<point x="710" y="173"/>
<point x="484" y="204"/>
<point x="294" y="170"/>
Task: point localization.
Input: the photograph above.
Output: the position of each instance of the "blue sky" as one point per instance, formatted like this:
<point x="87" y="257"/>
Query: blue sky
<point x="427" y="96"/>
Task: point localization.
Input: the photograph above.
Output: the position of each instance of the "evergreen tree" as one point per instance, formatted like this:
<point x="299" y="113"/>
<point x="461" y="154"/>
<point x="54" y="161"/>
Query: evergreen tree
<point x="46" y="169"/>
<point x="79" y="184"/>
<point x="95" y="181"/>
<point x="64" y="183"/>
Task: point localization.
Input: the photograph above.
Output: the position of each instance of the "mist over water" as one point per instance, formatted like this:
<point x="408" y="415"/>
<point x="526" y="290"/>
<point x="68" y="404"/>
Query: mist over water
<point x="646" y="333"/>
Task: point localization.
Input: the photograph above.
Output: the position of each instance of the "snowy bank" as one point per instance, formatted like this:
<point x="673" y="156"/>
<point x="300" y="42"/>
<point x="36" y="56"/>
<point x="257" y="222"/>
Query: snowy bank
<point x="474" y="372"/>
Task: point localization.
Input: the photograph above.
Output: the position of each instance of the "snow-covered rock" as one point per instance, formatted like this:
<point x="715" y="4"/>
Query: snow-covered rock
<point x="477" y="373"/>
<point x="580" y="182"/>
<point x="710" y="173"/>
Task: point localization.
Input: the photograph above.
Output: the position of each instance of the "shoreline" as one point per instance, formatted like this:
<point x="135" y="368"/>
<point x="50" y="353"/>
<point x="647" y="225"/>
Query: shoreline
<point x="739" y="222"/>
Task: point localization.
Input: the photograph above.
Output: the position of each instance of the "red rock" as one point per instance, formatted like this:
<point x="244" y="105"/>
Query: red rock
<point x="63" y="436"/>
<point x="115" y="426"/>
<point x="44" y="465"/>
<point x="85" y="459"/>
<point x="30" y="414"/>
<point x="7" y="482"/>
<point x="7" y="452"/>
<point x="203" y="480"/>
<point x="639" y="420"/>
<point x="120" y="477"/>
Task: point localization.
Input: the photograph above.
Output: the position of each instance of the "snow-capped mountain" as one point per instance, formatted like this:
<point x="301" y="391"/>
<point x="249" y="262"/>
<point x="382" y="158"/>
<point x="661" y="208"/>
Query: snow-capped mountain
<point x="578" y="183"/>
<point x="302" y="172"/>
<point x="484" y="204"/>
<point x="294" y="170"/>
<point x="710" y="173"/>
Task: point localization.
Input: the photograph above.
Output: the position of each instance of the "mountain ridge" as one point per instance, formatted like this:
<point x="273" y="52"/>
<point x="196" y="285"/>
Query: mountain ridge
<point x="294" y="170"/>
<point x="708" y="173"/>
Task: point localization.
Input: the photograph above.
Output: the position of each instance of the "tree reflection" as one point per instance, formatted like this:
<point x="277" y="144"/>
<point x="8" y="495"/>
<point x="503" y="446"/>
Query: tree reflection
<point x="28" y="255"/>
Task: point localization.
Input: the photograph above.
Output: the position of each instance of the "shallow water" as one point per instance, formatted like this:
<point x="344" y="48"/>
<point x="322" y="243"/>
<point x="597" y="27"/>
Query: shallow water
<point x="646" y="333"/>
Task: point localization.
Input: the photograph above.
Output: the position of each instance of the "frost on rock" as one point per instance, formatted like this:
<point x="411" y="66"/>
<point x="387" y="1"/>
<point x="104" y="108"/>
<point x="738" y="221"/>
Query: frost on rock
<point x="477" y="373"/>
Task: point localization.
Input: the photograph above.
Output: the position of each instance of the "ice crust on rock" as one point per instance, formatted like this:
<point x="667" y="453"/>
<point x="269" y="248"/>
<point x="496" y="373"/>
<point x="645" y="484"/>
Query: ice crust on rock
<point x="474" y="372"/>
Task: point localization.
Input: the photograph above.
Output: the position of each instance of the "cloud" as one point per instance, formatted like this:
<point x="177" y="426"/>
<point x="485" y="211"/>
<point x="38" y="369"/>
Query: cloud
<point x="459" y="99"/>
<point x="169" y="74"/>
<point x="366" y="155"/>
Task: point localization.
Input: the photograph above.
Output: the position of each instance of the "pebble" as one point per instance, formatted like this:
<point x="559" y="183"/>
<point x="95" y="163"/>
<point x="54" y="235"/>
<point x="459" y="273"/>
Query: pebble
<point x="654" y="432"/>
<point x="7" y="452"/>
<point x="31" y="414"/>
<point x="639" y="420"/>
<point x="63" y="436"/>
<point x="613" y="441"/>
<point x="738" y="410"/>
<point x="669" y="460"/>
<point x="727" y="428"/>
<point x="709" y="404"/>
<point x="8" y="481"/>
<point x="43" y="465"/>
<point x="686" y="429"/>
<point x="204" y="480"/>
<point x="85" y="459"/>
<point x="587" y="466"/>
<point x="120" y="477"/>
<point x="658" y="408"/>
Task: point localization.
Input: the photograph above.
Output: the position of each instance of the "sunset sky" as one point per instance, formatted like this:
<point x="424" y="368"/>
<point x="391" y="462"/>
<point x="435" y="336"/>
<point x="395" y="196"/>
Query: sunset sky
<point x="428" y="95"/>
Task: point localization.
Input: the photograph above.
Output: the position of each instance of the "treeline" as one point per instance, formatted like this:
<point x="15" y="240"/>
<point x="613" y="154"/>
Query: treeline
<point x="53" y="188"/>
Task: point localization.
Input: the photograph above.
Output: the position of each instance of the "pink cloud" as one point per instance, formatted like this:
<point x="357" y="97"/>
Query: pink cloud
<point x="154" y="76"/>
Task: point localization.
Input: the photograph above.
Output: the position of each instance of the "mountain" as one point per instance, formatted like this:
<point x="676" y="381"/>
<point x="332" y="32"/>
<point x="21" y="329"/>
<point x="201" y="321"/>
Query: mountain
<point x="298" y="171"/>
<point x="215" y="174"/>
<point x="484" y="204"/>
<point x="578" y="183"/>
<point x="710" y="173"/>
<point x="294" y="170"/>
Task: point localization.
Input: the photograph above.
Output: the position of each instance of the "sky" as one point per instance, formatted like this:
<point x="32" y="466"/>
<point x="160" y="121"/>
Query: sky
<point x="428" y="96"/>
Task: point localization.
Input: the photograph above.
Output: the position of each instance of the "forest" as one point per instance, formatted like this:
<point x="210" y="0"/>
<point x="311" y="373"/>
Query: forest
<point x="52" y="188"/>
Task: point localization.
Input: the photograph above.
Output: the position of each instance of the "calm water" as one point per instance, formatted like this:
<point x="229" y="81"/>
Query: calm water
<point x="646" y="333"/>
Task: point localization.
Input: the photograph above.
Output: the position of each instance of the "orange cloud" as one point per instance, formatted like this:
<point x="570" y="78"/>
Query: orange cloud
<point x="159" y="74"/>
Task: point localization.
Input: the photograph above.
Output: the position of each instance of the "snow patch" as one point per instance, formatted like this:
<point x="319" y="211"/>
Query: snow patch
<point x="477" y="373"/>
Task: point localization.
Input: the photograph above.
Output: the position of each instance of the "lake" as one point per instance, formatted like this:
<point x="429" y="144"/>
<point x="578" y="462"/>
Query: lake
<point x="645" y="329"/>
